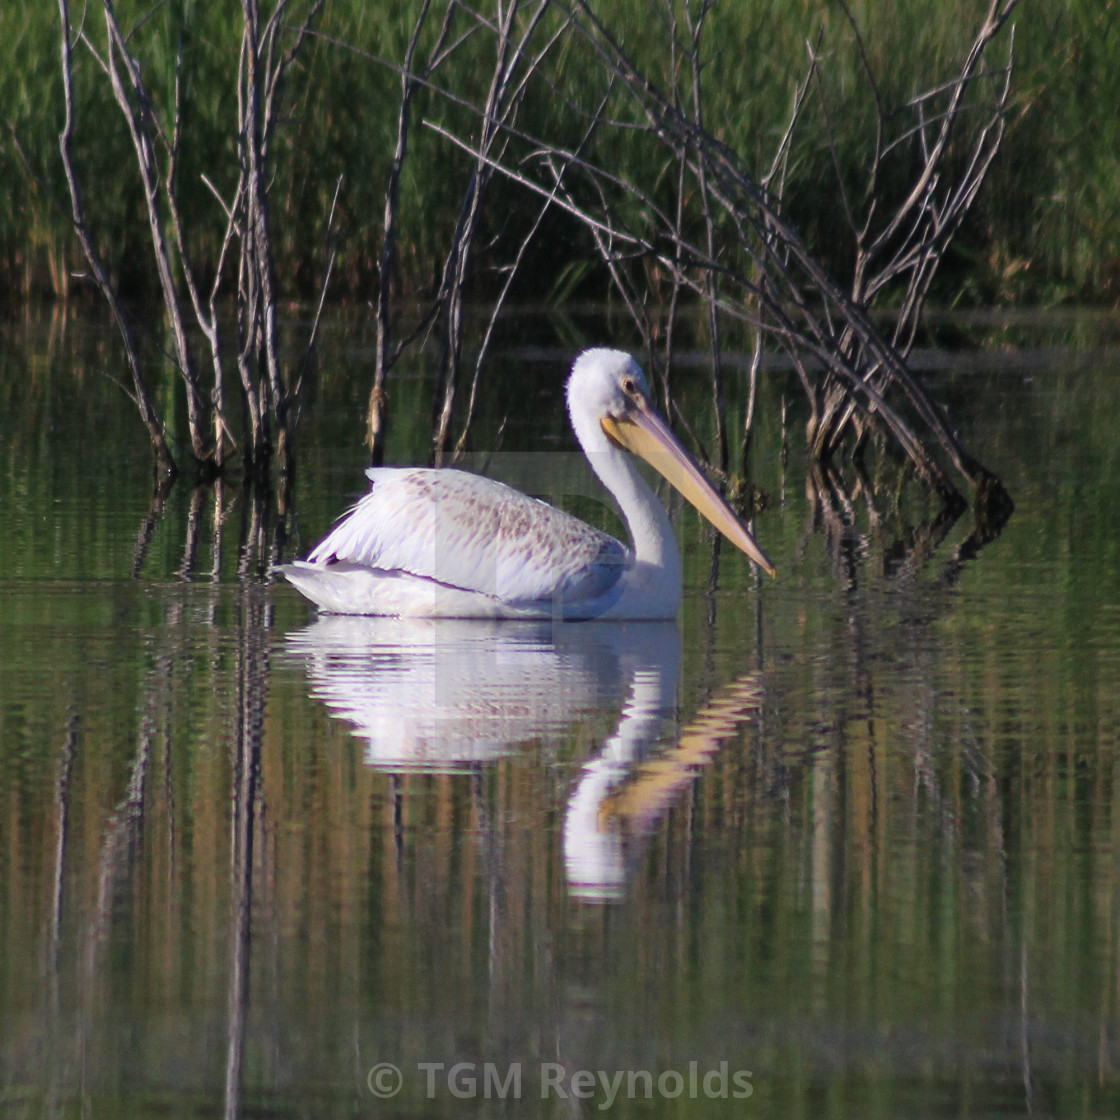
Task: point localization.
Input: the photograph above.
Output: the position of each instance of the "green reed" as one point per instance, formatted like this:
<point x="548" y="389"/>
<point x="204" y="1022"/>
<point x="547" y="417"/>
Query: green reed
<point x="1046" y="228"/>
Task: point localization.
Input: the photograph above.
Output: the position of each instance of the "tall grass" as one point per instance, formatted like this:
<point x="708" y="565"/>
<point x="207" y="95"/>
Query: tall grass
<point x="1046" y="229"/>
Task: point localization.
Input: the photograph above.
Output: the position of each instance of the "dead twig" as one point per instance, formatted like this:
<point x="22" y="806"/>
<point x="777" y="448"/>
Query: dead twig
<point x="157" y="144"/>
<point x="738" y="253"/>
<point x="165" y="462"/>
<point x="384" y="355"/>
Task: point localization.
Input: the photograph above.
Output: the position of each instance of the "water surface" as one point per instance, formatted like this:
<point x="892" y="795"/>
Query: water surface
<point x="844" y="841"/>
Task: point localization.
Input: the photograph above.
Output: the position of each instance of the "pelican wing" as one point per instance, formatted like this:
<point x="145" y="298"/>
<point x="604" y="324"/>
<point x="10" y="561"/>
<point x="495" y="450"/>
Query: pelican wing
<point x="473" y="533"/>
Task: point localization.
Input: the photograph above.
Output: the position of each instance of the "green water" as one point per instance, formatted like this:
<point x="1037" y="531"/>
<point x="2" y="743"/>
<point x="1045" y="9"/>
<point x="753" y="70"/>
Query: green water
<point x="847" y="841"/>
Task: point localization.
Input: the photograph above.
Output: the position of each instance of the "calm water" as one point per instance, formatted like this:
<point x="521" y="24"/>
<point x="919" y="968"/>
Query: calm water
<point x="843" y="844"/>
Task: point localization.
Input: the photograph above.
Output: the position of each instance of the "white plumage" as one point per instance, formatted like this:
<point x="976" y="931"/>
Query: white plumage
<point x="444" y="543"/>
<point x="466" y="532"/>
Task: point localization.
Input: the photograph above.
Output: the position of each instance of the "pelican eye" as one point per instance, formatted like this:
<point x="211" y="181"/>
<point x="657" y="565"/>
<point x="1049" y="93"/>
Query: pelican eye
<point x="629" y="386"/>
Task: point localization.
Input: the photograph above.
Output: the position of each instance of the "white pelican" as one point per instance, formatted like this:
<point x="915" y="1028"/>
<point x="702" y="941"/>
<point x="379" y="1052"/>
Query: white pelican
<point x="446" y="544"/>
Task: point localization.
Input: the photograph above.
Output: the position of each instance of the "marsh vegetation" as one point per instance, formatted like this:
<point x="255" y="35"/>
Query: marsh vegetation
<point x="620" y="146"/>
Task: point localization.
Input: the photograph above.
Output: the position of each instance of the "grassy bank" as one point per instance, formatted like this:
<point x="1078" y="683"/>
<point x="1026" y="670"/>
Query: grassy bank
<point x="1046" y="229"/>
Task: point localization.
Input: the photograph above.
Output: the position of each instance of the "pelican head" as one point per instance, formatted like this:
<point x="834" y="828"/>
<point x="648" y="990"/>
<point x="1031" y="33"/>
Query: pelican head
<point x="605" y="383"/>
<point x="610" y="407"/>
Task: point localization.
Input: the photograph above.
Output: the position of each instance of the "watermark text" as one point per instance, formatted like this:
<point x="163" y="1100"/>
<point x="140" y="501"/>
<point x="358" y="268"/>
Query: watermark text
<point x="557" y="1081"/>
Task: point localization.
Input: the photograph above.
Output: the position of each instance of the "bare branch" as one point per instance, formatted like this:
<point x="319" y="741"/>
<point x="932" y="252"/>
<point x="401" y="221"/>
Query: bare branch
<point x="383" y="359"/>
<point x="148" y="415"/>
<point x="133" y="100"/>
<point x="332" y="253"/>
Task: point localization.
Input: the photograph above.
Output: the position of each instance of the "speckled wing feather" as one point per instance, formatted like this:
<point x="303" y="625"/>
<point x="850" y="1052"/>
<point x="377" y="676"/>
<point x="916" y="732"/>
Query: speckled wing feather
<point x="470" y="532"/>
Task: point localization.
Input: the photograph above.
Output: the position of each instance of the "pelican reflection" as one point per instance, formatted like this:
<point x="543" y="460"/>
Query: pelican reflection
<point x="445" y="695"/>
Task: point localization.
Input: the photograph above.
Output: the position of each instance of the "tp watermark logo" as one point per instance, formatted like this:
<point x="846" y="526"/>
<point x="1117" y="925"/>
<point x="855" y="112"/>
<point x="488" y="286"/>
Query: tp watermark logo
<point x="553" y="1080"/>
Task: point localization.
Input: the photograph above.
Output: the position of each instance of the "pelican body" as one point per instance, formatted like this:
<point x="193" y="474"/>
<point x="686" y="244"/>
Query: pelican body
<point x="440" y="543"/>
